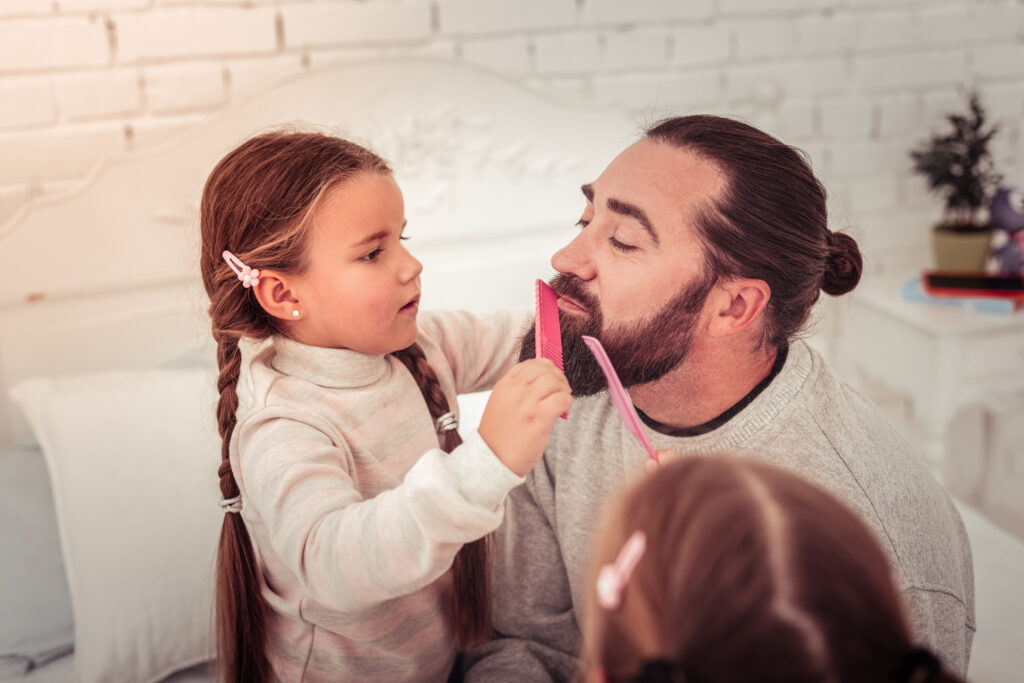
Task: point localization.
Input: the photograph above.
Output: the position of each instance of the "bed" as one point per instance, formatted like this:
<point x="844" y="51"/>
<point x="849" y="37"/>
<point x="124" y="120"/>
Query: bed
<point x="108" y="449"/>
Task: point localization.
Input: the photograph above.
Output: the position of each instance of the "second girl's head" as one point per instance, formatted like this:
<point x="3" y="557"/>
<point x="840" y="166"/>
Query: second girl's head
<point x="321" y="219"/>
<point x="748" y="573"/>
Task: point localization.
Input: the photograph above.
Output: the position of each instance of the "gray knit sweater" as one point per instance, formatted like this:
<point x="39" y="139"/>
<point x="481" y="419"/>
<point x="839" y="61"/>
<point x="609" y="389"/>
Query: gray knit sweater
<point x="805" y="420"/>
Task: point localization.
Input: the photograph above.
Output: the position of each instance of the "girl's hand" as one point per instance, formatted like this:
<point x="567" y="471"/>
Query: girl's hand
<point x="664" y="457"/>
<point x="521" y="411"/>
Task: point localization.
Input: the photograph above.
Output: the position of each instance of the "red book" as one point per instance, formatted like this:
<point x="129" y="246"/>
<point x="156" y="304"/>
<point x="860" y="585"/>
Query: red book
<point x="972" y="285"/>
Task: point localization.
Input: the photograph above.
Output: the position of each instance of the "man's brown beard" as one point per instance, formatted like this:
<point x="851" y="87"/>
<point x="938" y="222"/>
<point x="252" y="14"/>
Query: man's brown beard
<point x="641" y="353"/>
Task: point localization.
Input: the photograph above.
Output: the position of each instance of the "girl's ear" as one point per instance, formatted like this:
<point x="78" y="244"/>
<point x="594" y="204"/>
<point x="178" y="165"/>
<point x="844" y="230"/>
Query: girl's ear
<point x="275" y="296"/>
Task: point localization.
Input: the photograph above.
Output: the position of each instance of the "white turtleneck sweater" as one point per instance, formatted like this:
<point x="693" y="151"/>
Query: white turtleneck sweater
<point x="354" y="510"/>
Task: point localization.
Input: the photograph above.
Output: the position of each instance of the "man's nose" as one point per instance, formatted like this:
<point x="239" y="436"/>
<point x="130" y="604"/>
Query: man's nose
<point x="574" y="258"/>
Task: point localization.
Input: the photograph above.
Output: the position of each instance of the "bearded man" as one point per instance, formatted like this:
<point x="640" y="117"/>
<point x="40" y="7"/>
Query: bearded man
<point x="702" y="249"/>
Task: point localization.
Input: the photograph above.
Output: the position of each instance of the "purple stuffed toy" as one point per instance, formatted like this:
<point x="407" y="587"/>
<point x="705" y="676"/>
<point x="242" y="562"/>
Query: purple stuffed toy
<point x="1006" y="214"/>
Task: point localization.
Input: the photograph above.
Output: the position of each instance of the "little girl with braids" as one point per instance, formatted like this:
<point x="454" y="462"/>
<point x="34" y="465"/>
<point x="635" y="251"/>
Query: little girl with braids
<point x="347" y="490"/>
<point x="727" y="569"/>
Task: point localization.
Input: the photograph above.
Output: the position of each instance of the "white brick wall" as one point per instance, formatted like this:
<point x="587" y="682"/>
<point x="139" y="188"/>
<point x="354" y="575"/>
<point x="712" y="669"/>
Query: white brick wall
<point x="701" y="44"/>
<point x="347" y="22"/>
<point x="855" y="83"/>
<point x="101" y="94"/>
<point x="190" y="32"/>
<point x="179" y="89"/>
<point x="97" y="5"/>
<point x="54" y="43"/>
<point x="637" y="48"/>
<point x="579" y="52"/>
<point x="501" y="16"/>
<point x="24" y="8"/>
<point x="920" y="69"/>
<point x="847" y="118"/>
<point x="57" y="153"/>
<point x="765" y="7"/>
<point x="644" y="11"/>
<point x="27" y="102"/>
<point x="511" y="55"/>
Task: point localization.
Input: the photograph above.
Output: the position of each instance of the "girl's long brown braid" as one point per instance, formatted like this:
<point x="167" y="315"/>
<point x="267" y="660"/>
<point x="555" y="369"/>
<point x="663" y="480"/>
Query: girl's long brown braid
<point x="245" y="620"/>
<point x="470" y="607"/>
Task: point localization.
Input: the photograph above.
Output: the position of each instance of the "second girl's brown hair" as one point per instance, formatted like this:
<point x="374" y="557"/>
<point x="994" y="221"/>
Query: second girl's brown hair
<point x="750" y="574"/>
<point x="257" y="203"/>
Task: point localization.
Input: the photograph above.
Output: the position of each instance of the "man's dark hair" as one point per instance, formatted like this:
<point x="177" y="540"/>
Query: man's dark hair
<point x="769" y="222"/>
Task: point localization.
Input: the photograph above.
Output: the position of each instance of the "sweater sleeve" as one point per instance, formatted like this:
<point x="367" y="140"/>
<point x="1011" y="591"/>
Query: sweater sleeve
<point x="351" y="553"/>
<point x="479" y="348"/>
<point x="536" y="634"/>
<point x="939" y="621"/>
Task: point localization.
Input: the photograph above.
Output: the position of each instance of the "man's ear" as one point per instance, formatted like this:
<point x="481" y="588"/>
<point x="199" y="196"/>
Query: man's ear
<point x="275" y="296"/>
<point x="739" y="304"/>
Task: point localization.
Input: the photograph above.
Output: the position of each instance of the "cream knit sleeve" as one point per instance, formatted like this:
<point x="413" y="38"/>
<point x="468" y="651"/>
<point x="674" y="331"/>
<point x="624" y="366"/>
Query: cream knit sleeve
<point x="352" y="553"/>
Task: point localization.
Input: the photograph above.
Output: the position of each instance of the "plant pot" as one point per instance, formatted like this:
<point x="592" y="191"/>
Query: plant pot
<point x="960" y="250"/>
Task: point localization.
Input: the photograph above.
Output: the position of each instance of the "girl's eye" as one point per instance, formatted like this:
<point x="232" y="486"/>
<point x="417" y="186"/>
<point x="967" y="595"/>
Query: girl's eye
<point x="619" y="246"/>
<point x="371" y="256"/>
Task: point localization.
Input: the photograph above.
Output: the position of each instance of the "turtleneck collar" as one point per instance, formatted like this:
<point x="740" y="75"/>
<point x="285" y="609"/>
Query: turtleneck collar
<point x="331" y="368"/>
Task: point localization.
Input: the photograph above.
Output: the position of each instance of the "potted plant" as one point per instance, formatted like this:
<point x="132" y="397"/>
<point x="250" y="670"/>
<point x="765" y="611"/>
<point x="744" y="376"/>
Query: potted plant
<point x="958" y="166"/>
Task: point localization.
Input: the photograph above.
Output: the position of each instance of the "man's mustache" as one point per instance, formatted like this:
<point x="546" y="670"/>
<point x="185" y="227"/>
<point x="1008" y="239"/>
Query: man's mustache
<point x="572" y="287"/>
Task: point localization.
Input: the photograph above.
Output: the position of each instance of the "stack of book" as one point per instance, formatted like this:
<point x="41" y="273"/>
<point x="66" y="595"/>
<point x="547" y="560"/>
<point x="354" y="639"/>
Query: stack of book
<point x="1001" y="294"/>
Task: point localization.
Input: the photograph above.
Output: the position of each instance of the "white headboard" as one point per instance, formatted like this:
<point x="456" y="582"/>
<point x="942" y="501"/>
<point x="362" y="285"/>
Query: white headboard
<point x="104" y="277"/>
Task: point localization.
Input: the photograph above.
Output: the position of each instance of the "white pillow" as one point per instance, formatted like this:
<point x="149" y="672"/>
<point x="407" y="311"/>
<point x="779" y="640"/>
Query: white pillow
<point x="133" y="459"/>
<point x="35" y="608"/>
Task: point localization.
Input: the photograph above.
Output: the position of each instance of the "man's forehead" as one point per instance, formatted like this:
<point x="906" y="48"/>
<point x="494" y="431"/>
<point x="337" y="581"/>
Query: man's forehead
<point x="651" y="172"/>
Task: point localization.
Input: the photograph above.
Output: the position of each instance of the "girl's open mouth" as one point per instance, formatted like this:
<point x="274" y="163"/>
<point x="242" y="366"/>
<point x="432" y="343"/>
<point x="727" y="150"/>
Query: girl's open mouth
<point x="411" y="308"/>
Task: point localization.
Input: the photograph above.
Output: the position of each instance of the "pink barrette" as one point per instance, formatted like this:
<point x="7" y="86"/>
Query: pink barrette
<point x="250" y="277"/>
<point x="612" y="579"/>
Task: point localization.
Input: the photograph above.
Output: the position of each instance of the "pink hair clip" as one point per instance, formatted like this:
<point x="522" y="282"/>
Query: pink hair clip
<point x="612" y="579"/>
<point x="250" y="277"/>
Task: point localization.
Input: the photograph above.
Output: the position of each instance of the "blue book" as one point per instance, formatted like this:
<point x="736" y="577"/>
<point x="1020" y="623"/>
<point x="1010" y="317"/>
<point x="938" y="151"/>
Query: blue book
<point x="913" y="290"/>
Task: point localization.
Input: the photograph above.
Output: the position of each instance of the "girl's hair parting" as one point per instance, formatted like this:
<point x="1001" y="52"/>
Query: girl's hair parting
<point x="258" y="203"/>
<point x="749" y="574"/>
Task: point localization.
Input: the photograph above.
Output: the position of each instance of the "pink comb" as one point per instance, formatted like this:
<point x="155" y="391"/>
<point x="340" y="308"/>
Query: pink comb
<point x="547" y="335"/>
<point x="619" y="396"/>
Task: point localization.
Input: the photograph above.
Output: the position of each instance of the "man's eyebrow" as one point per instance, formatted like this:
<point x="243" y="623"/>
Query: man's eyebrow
<point x="625" y="209"/>
<point x="379" y="235"/>
<point x="633" y="211"/>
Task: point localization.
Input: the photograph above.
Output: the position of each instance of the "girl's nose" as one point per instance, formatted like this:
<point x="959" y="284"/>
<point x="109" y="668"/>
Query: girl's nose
<point x="411" y="267"/>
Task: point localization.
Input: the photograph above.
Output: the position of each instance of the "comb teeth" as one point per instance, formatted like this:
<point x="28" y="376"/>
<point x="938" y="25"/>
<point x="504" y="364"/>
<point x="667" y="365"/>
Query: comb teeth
<point x="548" y="335"/>
<point x="553" y="354"/>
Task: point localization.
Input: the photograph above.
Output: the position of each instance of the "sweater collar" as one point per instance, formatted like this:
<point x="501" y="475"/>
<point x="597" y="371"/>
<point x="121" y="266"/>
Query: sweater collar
<point x="716" y="422"/>
<point x="331" y="368"/>
<point x="760" y="412"/>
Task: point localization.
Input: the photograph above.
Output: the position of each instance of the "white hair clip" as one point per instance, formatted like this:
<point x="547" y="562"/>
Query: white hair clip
<point x="612" y="579"/>
<point x="447" y="422"/>
<point x="250" y="277"/>
<point x="231" y="504"/>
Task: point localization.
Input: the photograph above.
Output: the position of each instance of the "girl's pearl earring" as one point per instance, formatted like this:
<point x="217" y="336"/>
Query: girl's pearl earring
<point x="295" y="313"/>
